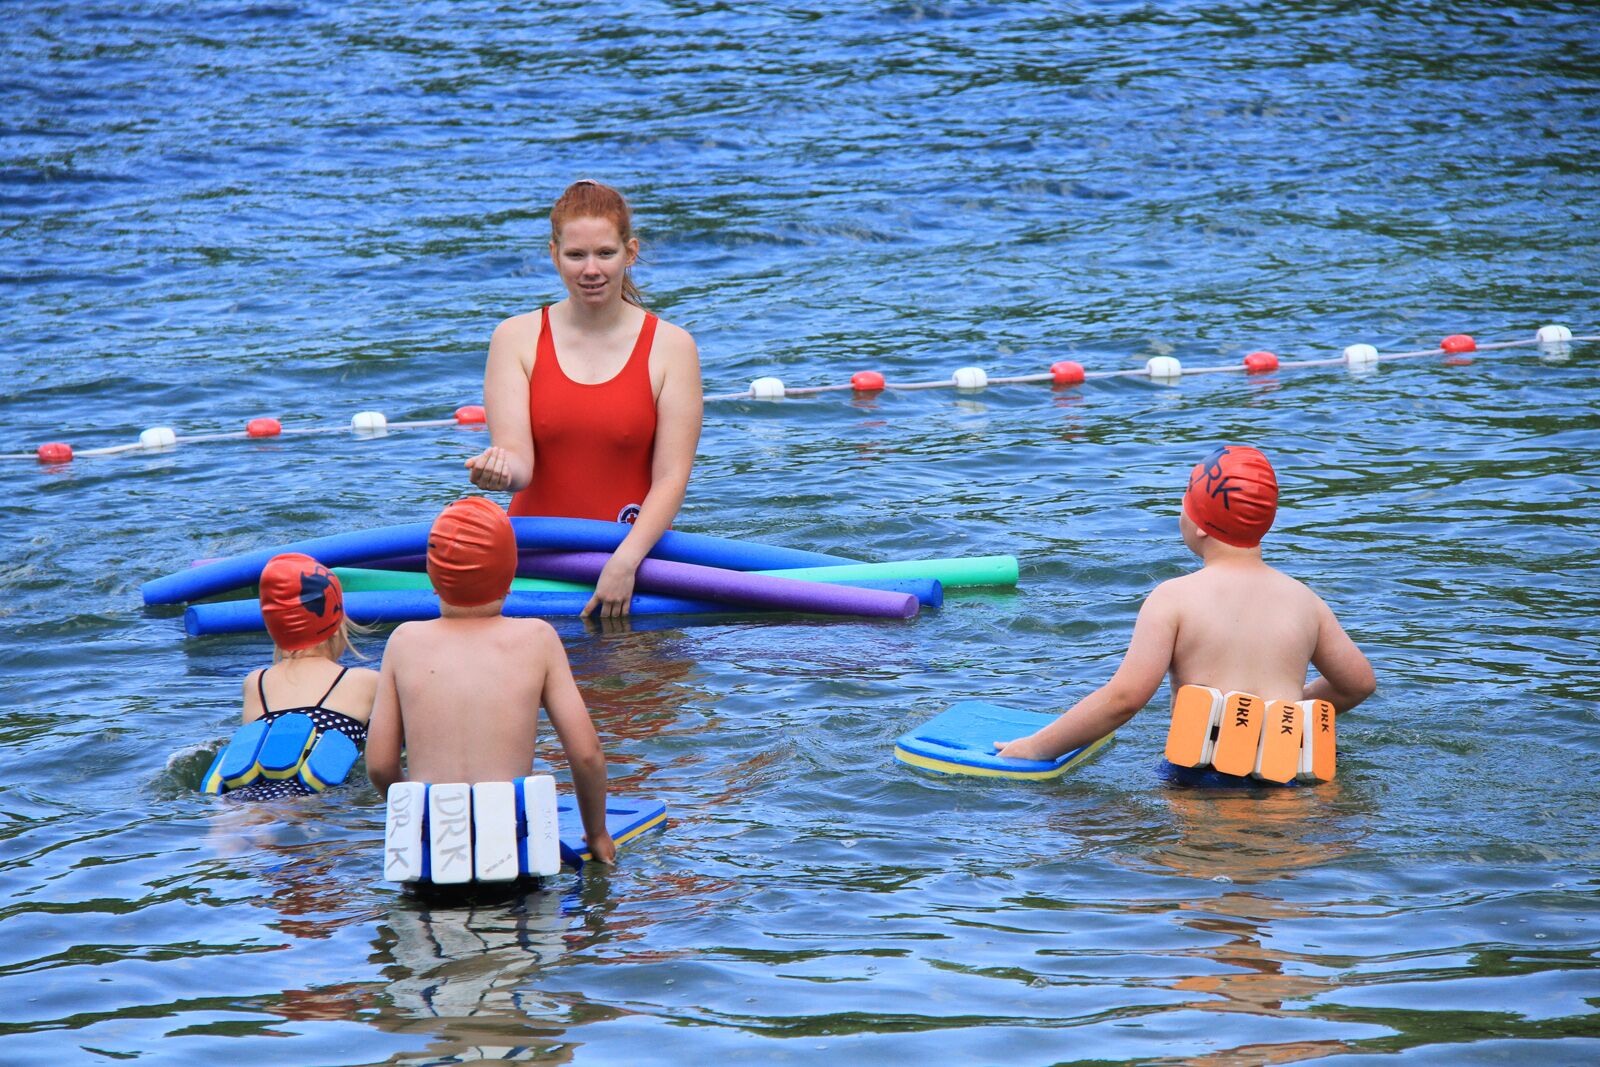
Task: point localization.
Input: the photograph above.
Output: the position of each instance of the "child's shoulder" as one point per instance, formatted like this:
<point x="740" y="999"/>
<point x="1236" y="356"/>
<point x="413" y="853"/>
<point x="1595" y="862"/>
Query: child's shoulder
<point x="405" y="630"/>
<point x="1264" y="580"/>
<point x="360" y="677"/>
<point x="533" y="630"/>
<point x="534" y="636"/>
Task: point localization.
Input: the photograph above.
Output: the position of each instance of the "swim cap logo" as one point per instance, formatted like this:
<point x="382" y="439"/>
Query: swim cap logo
<point x="629" y="514"/>
<point x="314" y="593"/>
<point x="1233" y="495"/>
<point x="1216" y="482"/>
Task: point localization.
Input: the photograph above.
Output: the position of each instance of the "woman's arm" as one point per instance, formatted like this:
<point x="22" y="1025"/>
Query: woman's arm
<point x="678" y="414"/>
<point x="507" y="464"/>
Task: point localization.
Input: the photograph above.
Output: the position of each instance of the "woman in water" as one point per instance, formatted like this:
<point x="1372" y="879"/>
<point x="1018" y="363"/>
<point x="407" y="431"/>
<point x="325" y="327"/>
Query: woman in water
<point x="607" y="429"/>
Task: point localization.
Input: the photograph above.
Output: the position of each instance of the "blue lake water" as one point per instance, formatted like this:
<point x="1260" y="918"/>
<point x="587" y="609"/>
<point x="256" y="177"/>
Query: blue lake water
<point x="214" y="212"/>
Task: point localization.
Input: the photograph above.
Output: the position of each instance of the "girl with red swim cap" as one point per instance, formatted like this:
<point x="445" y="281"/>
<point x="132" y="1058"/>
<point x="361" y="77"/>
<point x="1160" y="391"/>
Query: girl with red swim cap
<point x="593" y="403"/>
<point x="1234" y="624"/>
<point x="302" y="605"/>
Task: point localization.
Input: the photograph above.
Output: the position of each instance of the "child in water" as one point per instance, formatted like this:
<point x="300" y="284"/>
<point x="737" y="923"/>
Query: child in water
<point x="461" y="693"/>
<point x="1234" y="624"/>
<point x="302" y="604"/>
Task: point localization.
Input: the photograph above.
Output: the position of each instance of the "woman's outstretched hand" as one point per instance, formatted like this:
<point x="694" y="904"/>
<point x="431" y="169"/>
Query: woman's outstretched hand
<point x="490" y="469"/>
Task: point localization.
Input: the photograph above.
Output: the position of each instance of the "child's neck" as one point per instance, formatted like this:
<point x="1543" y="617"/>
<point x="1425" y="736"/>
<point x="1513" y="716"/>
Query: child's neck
<point x="287" y="661"/>
<point x="1217" y="554"/>
<point x="490" y="610"/>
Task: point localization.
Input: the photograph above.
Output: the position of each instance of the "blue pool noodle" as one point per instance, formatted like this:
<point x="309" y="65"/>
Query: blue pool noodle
<point x="407" y="605"/>
<point x="534" y="534"/>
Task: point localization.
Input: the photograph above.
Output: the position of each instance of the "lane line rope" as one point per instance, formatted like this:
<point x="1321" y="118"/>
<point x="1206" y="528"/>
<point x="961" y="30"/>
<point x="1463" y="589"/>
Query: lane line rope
<point x="1165" y="369"/>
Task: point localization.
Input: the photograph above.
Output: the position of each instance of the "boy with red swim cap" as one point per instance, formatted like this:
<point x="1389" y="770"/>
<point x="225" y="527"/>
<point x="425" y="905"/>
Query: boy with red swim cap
<point x="1235" y="624"/>
<point x="461" y="693"/>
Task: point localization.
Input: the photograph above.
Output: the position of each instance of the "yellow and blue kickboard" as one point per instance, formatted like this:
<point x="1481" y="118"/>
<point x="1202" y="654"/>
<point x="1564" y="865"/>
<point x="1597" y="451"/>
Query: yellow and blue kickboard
<point x="960" y="740"/>
<point x="625" y="820"/>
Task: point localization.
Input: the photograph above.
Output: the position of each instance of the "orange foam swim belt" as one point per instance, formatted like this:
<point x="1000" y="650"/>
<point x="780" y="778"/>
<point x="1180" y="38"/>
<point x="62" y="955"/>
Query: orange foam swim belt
<point x="302" y="602"/>
<point x="1233" y="496"/>
<point x="1242" y="735"/>
<point x="472" y="553"/>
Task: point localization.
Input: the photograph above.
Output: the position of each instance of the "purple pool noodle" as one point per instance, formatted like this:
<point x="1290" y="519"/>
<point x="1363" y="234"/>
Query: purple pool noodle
<point x="732" y="587"/>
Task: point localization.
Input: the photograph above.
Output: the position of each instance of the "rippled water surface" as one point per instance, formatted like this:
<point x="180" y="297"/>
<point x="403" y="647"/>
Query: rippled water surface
<point x="211" y="212"/>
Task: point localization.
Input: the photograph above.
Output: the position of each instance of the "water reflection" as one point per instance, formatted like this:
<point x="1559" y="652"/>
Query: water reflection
<point x="1258" y="980"/>
<point x="637" y="690"/>
<point x="1253" y="836"/>
<point x="466" y="971"/>
<point x="1250" y="835"/>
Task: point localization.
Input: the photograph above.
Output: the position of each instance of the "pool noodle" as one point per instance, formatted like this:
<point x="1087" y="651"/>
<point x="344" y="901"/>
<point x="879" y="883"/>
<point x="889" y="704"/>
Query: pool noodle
<point x="533" y="533"/>
<point x="409" y="605"/>
<point x="950" y="573"/>
<point x="751" y="590"/>
<point x="928" y="591"/>
<point x="955" y="573"/>
<point x="383" y="579"/>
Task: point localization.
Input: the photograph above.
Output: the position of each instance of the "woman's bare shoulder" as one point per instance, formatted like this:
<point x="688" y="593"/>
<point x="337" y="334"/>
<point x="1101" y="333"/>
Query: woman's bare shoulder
<point x="673" y="337"/>
<point x="517" y="327"/>
<point x="674" y="350"/>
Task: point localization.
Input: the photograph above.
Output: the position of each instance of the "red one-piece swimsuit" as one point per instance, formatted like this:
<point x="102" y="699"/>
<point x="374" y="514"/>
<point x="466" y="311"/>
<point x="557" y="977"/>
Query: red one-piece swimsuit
<point x="592" y="444"/>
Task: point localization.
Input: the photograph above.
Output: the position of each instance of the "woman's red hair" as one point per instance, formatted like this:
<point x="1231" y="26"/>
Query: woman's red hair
<point x="589" y="199"/>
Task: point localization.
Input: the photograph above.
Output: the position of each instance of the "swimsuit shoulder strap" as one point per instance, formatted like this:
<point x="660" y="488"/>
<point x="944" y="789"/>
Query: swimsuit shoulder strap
<point x="342" y="672"/>
<point x="261" y="688"/>
<point x="547" y="341"/>
<point x="637" y="370"/>
<point x="647" y="338"/>
<point x="546" y="366"/>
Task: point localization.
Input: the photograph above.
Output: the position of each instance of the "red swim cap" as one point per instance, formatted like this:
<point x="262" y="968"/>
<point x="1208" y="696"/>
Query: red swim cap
<point x="302" y="602"/>
<point x="1233" y="496"/>
<point x="472" y="553"/>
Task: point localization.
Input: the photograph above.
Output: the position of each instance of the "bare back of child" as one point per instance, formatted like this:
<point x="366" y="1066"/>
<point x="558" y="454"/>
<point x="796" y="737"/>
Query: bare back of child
<point x="1235" y="624"/>
<point x="469" y="687"/>
<point x="460" y="695"/>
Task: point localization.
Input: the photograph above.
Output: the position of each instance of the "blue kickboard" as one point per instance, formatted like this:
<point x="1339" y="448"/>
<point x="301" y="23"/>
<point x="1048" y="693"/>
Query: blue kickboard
<point x="960" y="740"/>
<point x="625" y="820"/>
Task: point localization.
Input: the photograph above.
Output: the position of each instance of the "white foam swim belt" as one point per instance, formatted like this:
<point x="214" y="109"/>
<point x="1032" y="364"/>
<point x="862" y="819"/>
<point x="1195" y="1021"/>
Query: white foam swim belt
<point x="1241" y="734"/>
<point x="453" y="833"/>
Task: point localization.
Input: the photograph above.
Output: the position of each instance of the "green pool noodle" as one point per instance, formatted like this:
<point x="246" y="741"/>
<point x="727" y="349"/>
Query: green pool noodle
<point x="951" y="573"/>
<point x="367" y="580"/>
